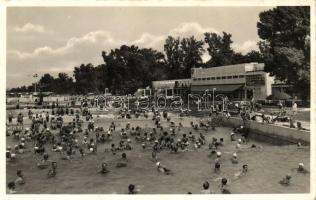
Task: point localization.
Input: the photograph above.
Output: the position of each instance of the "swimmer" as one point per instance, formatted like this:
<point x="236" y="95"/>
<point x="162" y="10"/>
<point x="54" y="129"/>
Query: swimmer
<point x="206" y="188"/>
<point x="43" y="164"/>
<point x="123" y="161"/>
<point x="132" y="189"/>
<point x="154" y="155"/>
<point x="162" y="169"/>
<point x="10" y="156"/>
<point x="301" y="169"/>
<point x="20" y="179"/>
<point x="82" y="154"/>
<point x="232" y="136"/>
<point x="221" y="141"/>
<point x="234" y="158"/>
<point x="113" y="149"/>
<point x="217" y="167"/>
<point x="224" y="186"/>
<point x="104" y="169"/>
<point x="11" y="187"/>
<point x="242" y="172"/>
<point x="286" y="181"/>
<point x="52" y="172"/>
<point x="218" y="157"/>
<point x="238" y="145"/>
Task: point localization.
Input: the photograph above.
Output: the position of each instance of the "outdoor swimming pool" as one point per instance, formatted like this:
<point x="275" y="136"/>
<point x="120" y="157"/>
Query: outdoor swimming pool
<point x="267" y="165"/>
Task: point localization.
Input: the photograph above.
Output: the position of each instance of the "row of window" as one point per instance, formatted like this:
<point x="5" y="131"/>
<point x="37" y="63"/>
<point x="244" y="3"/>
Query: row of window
<point x="218" y="78"/>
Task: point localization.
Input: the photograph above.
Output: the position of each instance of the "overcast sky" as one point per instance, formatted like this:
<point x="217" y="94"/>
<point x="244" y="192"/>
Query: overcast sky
<point x="56" y="39"/>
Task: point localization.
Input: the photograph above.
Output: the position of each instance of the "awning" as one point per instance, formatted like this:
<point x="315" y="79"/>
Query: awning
<point x="219" y="88"/>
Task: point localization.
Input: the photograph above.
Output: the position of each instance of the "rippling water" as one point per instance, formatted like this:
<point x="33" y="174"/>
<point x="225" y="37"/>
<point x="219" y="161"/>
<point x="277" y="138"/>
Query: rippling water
<point x="267" y="165"/>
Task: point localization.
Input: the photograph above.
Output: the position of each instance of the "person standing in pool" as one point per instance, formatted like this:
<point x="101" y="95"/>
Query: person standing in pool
<point x="52" y="172"/>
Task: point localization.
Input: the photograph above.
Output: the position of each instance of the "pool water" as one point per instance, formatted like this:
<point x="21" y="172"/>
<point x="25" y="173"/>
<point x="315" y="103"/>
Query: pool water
<point x="267" y="166"/>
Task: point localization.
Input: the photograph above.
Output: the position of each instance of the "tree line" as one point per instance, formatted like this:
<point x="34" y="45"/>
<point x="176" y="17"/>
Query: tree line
<point x="284" y="47"/>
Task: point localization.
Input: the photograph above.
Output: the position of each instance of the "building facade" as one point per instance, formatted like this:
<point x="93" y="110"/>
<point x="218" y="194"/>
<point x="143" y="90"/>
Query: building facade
<point x="237" y="82"/>
<point x="171" y="88"/>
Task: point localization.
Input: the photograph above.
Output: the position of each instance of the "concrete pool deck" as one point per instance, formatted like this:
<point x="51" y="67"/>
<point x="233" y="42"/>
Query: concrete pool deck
<point x="291" y="135"/>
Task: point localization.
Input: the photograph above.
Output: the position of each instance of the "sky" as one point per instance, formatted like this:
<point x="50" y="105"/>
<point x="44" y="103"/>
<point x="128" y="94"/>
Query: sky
<point x="57" y="39"/>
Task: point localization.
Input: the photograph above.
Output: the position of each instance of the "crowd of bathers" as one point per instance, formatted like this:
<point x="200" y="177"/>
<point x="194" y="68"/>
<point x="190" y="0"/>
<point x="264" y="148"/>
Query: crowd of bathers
<point x="48" y="134"/>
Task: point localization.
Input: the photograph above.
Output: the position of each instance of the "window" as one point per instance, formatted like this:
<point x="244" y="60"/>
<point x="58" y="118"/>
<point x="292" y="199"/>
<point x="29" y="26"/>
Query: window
<point x="195" y="79"/>
<point x="169" y="92"/>
<point x="199" y="79"/>
<point x="218" y="77"/>
<point x="235" y="76"/>
<point x="229" y="77"/>
<point x="256" y="79"/>
<point x="241" y="76"/>
<point x="213" y="78"/>
<point x="209" y="78"/>
<point x="203" y="79"/>
<point x="223" y="77"/>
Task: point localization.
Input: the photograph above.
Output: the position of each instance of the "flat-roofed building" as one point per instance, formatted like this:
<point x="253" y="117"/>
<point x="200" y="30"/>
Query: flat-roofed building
<point x="238" y="81"/>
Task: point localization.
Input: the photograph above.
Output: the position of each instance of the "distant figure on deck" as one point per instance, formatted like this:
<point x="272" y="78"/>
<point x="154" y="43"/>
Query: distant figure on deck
<point x="294" y="108"/>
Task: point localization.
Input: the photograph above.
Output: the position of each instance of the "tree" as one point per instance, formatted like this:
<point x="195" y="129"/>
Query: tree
<point x="192" y="52"/>
<point x="85" y="79"/>
<point x="174" y="55"/>
<point x="182" y="55"/>
<point x="219" y="48"/>
<point x="46" y="82"/>
<point x="63" y="84"/>
<point x="128" y="68"/>
<point x="285" y="45"/>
